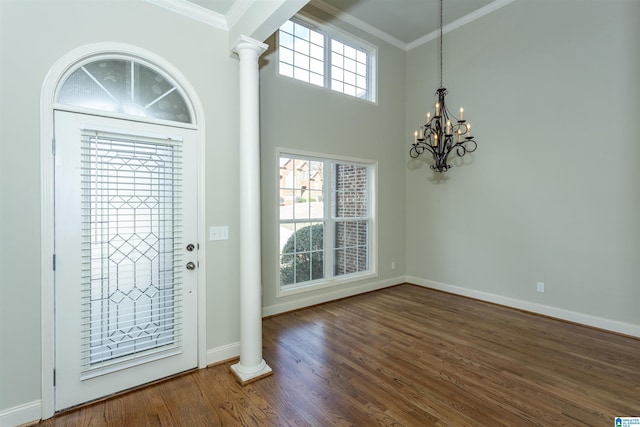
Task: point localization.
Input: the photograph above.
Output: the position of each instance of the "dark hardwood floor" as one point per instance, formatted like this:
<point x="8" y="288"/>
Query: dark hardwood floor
<point x="402" y="356"/>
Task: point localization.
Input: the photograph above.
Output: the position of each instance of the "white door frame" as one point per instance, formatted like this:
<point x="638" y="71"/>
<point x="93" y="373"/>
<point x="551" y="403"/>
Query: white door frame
<point x="47" y="168"/>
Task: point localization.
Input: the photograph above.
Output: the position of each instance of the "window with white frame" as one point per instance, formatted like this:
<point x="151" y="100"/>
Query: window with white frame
<point x="324" y="58"/>
<point x="326" y="222"/>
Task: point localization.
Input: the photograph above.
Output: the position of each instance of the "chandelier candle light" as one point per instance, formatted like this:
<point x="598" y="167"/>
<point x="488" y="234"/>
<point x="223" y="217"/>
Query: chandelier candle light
<point x="443" y="133"/>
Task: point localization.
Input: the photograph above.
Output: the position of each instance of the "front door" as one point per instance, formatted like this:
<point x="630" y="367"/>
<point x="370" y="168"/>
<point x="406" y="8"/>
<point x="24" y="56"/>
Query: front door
<point x="125" y="255"/>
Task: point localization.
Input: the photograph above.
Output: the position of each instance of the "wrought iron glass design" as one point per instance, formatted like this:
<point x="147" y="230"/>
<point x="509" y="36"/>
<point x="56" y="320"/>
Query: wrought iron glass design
<point x="131" y="232"/>
<point x="127" y="87"/>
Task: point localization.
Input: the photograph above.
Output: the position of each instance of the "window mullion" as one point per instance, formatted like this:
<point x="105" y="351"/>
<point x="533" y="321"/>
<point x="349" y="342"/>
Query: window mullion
<point x="327" y="61"/>
<point x="329" y="235"/>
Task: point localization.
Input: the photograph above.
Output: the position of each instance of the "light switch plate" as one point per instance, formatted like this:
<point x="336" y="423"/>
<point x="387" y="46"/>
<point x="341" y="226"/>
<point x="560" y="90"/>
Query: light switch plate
<point x="219" y="233"/>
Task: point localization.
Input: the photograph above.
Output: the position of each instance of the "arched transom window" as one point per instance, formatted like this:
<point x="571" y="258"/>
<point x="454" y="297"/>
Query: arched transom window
<point x="126" y="87"/>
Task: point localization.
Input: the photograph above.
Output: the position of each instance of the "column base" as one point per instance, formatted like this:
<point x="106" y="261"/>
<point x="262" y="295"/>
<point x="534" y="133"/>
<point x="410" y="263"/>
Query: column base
<point x="245" y="377"/>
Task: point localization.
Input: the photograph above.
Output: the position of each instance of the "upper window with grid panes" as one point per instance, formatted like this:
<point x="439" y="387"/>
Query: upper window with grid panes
<point x="322" y="58"/>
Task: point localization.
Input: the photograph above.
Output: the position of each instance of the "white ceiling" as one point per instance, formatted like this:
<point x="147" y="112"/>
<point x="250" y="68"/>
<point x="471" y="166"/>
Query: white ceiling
<point x="403" y="23"/>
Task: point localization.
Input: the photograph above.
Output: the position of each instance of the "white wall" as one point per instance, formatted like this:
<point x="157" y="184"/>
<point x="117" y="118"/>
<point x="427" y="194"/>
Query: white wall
<point x="552" y="194"/>
<point x="299" y="116"/>
<point x="33" y="36"/>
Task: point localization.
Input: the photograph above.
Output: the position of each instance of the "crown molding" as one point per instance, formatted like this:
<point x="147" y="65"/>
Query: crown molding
<point x="479" y="13"/>
<point x="238" y="9"/>
<point x="350" y="19"/>
<point x="194" y="11"/>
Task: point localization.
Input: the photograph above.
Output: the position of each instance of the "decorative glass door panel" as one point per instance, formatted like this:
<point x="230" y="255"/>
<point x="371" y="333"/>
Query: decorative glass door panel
<point x="133" y="233"/>
<point x="125" y="213"/>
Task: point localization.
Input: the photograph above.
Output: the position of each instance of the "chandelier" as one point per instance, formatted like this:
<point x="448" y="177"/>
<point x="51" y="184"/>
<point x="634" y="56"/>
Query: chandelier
<point x="443" y="133"/>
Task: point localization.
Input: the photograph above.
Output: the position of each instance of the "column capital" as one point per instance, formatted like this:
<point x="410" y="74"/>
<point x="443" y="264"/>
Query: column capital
<point x="245" y="42"/>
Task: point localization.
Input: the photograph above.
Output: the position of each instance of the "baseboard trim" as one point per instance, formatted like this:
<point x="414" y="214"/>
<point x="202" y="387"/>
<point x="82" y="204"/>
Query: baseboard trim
<point x="545" y="310"/>
<point x="223" y="353"/>
<point x="336" y="293"/>
<point x="26" y="414"/>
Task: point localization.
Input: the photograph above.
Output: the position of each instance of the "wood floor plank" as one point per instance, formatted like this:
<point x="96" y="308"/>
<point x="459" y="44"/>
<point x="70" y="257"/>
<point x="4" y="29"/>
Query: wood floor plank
<point x="402" y="356"/>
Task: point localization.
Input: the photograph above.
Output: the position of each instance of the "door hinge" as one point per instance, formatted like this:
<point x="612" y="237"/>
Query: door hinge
<point x="54" y="262"/>
<point x="54" y="377"/>
<point x="53" y="146"/>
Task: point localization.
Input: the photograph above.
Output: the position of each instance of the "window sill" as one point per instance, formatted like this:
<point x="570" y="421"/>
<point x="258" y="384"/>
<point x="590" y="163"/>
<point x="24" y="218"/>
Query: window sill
<point x="323" y="284"/>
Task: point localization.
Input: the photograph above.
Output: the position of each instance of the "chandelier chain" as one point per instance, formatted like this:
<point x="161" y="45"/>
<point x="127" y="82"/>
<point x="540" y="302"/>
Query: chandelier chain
<point x="441" y="33"/>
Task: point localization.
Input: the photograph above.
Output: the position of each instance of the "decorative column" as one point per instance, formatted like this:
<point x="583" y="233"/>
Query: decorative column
<point x="251" y="366"/>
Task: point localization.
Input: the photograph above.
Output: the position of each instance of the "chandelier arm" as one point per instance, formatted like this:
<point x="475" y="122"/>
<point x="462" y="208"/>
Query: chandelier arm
<point x="467" y="149"/>
<point x="419" y="148"/>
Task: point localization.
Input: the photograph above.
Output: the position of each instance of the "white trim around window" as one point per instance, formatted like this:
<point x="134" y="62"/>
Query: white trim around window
<point x="309" y="210"/>
<point x="327" y="57"/>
